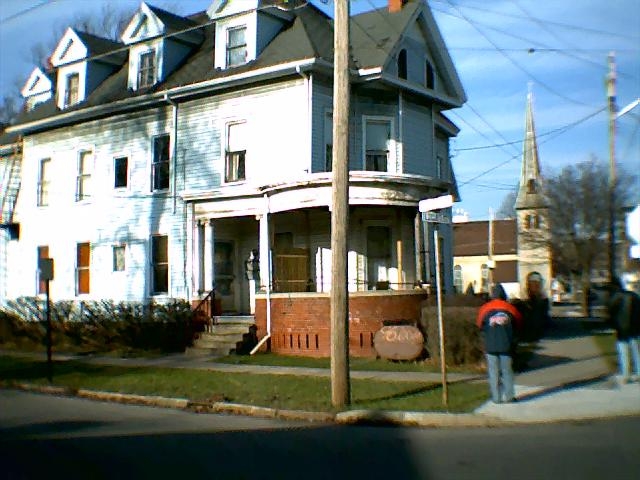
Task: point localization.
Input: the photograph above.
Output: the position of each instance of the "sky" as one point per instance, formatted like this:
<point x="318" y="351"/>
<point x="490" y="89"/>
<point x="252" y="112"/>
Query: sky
<point x="501" y="49"/>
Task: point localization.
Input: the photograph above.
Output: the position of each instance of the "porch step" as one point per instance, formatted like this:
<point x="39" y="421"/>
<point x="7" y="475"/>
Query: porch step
<point x="229" y="334"/>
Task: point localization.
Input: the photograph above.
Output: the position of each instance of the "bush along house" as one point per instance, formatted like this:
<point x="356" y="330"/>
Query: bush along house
<point x="194" y="156"/>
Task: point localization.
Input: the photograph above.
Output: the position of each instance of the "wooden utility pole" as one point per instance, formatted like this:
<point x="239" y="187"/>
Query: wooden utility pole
<point x="340" y="385"/>
<point x="611" y="97"/>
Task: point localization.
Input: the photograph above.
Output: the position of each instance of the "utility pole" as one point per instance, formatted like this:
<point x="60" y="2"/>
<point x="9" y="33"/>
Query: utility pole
<point x="340" y="385"/>
<point x="611" y="97"/>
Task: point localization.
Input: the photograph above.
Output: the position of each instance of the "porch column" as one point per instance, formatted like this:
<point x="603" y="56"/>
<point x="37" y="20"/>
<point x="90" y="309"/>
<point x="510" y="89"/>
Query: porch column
<point x="417" y="236"/>
<point x="265" y="250"/>
<point x="198" y="264"/>
<point x="209" y="275"/>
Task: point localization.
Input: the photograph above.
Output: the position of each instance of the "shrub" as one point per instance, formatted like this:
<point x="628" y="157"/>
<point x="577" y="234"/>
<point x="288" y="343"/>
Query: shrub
<point x="463" y="341"/>
<point x="99" y="325"/>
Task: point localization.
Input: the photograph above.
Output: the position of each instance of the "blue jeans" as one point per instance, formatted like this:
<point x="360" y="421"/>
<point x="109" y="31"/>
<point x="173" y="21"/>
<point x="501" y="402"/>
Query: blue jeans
<point x="629" y="350"/>
<point x="500" y="377"/>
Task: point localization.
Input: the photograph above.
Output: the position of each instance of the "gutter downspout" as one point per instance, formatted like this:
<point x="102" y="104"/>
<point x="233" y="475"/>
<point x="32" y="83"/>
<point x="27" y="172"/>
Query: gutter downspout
<point x="268" y="284"/>
<point x="174" y="149"/>
<point x="307" y="79"/>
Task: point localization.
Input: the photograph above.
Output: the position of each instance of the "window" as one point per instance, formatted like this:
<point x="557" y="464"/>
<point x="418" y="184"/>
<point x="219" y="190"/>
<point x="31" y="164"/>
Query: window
<point x="236" y="46"/>
<point x="378" y="257"/>
<point x="457" y="278"/>
<point x="484" y="275"/>
<point x="439" y="166"/>
<point x="402" y="64"/>
<point x="83" y="181"/>
<point x="532" y="222"/>
<point x="236" y="153"/>
<point x="119" y="258"/>
<point x="120" y="172"/>
<point x="147" y="69"/>
<point x="43" y="182"/>
<point x="328" y="142"/>
<point x="531" y="186"/>
<point x="159" y="265"/>
<point x="71" y="90"/>
<point x="160" y="163"/>
<point x="83" y="274"/>
<point x="430" y="76"/>
<point x="43" y="252"/>
<point x="378" y="138"/>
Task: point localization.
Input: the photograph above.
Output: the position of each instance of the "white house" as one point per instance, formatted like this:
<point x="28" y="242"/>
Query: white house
<point x="152" y="168"/>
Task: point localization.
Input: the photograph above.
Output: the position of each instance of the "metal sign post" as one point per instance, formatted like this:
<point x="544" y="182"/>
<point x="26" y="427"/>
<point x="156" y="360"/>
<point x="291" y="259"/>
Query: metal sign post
<point x="431" y="209"/>
<point x="45" y="267"/>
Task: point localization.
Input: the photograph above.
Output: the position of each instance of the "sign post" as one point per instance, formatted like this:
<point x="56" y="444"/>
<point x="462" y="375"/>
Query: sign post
<point x="432" y="212"/>
<point x="45" y="267"/>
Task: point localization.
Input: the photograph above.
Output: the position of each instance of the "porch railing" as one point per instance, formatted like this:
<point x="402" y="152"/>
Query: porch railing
<point x="204" y="313"/>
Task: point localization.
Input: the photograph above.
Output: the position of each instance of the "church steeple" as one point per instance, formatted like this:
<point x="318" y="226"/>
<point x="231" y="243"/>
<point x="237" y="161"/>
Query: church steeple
<point x="530" y="188"/>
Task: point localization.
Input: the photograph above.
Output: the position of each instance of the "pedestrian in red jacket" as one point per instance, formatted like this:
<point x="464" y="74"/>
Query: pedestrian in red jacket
<point x="498" y="318"/>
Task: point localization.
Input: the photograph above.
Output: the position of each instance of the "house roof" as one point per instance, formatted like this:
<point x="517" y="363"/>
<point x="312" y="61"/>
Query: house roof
<point x="97" y="45"/>
<point x="472" y="238"/>
<point x="171" y="21"/>
<point x="309" y="36"/>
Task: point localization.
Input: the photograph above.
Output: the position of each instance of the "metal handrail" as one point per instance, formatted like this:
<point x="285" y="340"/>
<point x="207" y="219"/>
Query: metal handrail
<point x="207" y="306"/>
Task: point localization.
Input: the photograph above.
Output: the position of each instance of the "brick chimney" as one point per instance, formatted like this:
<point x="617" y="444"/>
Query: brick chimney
<point x="396" y="5"/>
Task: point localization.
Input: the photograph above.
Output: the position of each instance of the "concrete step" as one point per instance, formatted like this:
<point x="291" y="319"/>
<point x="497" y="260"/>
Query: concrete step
<point x="214" y="339"/>
<point x="229" y="329"/>
<point x="234" y="320"/>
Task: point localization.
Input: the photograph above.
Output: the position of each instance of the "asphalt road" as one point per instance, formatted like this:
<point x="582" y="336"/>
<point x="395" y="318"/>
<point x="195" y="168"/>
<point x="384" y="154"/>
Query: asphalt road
<point x="52" y="437"/>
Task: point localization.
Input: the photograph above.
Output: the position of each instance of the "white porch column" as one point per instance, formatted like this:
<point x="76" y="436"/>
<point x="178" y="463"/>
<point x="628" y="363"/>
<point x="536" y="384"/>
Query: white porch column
<point x="198" y="258"/>
<point x="265" y="275"/>
<point x="209" y="275"/>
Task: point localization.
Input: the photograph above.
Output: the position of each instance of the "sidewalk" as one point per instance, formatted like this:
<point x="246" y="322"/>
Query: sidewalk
<point x="566" y="379"/>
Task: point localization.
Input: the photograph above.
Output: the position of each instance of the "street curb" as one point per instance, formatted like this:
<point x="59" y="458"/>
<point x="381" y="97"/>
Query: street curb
<point x="418" y="419"/>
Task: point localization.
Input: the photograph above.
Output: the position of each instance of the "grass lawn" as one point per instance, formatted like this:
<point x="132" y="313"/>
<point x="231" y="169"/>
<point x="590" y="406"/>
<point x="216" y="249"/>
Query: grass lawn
<point x="355" y="363"/>
<point x="277" y="391"/>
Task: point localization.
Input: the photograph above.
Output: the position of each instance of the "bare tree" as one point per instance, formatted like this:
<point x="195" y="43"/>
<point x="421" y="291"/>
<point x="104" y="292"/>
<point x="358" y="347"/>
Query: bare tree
<point x="578" y="200"/>
<point x="508" y="206"/>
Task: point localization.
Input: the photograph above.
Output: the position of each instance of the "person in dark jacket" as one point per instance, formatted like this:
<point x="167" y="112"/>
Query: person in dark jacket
<point x="498" y="318"/>
<point x="624" y="316"/>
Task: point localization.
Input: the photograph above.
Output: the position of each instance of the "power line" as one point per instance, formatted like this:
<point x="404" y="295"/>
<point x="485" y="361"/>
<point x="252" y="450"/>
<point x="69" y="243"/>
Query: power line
<point x="41" y="4"/>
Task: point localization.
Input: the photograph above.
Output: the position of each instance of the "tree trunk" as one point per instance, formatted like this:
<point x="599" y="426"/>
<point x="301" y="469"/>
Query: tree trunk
<point x="586" y="290"/>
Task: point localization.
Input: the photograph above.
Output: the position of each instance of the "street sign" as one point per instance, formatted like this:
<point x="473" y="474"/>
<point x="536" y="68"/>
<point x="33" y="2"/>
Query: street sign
<point x="437" y="203"/>
<point x="435" y="217"/>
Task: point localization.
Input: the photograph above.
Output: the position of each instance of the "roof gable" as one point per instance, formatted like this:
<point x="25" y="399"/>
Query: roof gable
<point x="144" y="24"/>
<point x="37" y="83"/>
<point x="70" y="48"/>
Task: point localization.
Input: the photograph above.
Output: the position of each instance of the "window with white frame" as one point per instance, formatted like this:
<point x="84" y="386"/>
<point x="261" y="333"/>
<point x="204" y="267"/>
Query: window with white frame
<point x="71" y="89"/>
<point x="377" y="145"/>
<point x="159" y="264"/>
<point x="119" y="257"/>
<point x="235" y="156"/>
<point x="160" y="162"/>
<point x="120" y="172"/>
<point x="236" y="46"/>
<point x="457" y="278"/>
<point x="484" y="276"/>
<point x="83" y="268"/>
<point x="147" y="69"/>
<point x="43" y="182"/>
<point x="83" y="180"/>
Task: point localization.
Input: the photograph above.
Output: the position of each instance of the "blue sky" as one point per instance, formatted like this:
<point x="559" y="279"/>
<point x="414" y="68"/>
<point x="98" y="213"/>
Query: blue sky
<point x="498" y="47"/>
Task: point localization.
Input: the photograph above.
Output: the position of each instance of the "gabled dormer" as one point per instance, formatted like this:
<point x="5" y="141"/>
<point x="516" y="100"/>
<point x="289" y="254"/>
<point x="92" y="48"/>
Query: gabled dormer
<point x="243" y="29"/>
<point x="158" y="42"/>
<point x="37" y="89"/>
<point x="83" y="61"/>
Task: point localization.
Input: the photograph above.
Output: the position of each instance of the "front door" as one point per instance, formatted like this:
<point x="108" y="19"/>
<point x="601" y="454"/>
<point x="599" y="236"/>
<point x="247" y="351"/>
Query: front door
<point x="225" y="274"/>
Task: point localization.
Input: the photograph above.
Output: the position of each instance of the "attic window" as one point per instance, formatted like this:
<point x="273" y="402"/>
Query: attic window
<point x="35" y="82"/>
<point x="236" y="46"/>
<point x="402" y="64"/>
<point x="71" y="90"/>
<point x="147" y="69"/>
<point x="430" y="77"/>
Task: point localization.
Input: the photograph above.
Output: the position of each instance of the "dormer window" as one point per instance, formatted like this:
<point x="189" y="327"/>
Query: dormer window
<point x="430" y="76"/>
<point x="236" y="46"/>
<point x="402" y="64"/>
<point x="147" y="69"/>
<point x="71" y="89"/>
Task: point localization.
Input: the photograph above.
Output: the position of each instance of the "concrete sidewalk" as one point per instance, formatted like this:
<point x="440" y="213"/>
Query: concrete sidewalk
<point x="566" y="379"/>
